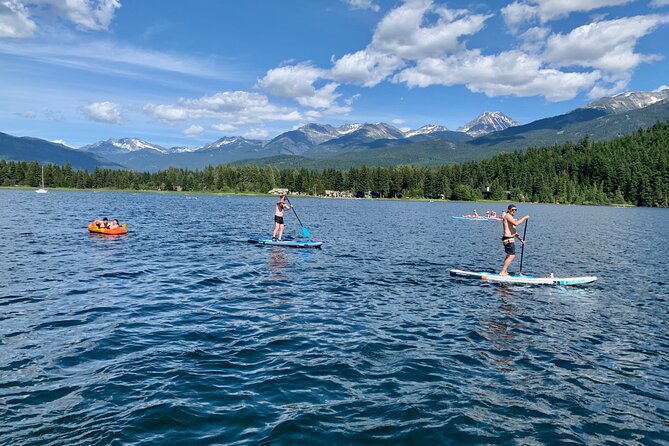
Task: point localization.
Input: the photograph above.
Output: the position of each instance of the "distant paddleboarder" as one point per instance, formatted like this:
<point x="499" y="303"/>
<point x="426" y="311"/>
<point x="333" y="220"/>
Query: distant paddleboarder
<point x="509" y="235"/>
<point x="278" y="216"/>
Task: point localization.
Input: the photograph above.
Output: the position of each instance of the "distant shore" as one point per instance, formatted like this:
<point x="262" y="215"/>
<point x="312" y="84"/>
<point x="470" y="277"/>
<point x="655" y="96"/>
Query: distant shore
<point x="259" y="194"/>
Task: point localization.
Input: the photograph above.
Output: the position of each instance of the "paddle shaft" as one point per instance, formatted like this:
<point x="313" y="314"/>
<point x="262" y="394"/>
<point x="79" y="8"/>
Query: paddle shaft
<point x="305" y="231"/>
<point x="522" y="250"/>
<point x="291" y="206"/>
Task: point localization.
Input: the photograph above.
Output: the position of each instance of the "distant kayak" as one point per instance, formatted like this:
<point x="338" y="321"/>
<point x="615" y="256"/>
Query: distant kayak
<point x="117" y="231"/>
<point x="527" y="280"/>
<point x="287" y="243"/>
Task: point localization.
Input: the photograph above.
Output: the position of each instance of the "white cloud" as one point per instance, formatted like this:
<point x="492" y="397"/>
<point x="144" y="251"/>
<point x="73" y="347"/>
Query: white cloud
<point x="607" y="45"/>
<point x="609" y="86"/>
<point x="420" y="43"/>
<point x="662" y="87"/>
<point x="85" y="14"/>
<point x="15" y="21"/>
<point x="291" y="81"/>
<point x="166" y="113"/>
<point x="406" y="34"/>
<point x="235" y="108"/>
<point x="109" y="57"/>
<point x="227" y="102"/>
<point x="106" y="112"/>
<point x="534" y="39"/>
<point x="659" y="3"/>
<point x="363" y="4"/>
<point x="297" y="82"/>
<point x="509" y="73"/>
<point x="27" y="114"/>
<point x="324" y="97"/>
<point x="194" y="130"/>
<point x="312" y="115"/>
<point x="557" y="9"/>
<point x="365" y="67"/>
<point x="402" y="31"/>
<point x="221" y="127"/>
<point x="256" y="133"/>
<point x="398" y="121"/>
<point x="18" y="18"/>
<point x="518" y="12"/>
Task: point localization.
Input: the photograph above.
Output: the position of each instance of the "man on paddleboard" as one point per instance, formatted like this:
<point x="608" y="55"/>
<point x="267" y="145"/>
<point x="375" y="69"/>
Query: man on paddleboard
<point x="509" y="235"/>
<point x="278" y="216"/>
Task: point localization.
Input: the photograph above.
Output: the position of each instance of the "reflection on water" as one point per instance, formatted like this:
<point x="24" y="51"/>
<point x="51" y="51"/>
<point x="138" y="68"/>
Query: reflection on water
<point x="277" y="262"/>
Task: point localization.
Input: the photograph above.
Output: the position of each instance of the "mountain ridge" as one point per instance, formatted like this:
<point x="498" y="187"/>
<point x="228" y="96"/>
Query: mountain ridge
<point x="380" y="143"/>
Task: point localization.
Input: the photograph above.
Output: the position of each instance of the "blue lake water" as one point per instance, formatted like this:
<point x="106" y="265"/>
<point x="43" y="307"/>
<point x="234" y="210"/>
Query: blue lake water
<point x="182" y="332"/>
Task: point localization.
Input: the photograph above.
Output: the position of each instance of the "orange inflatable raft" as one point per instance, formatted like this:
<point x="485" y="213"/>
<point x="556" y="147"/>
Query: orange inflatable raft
<point x="117" y="231"/>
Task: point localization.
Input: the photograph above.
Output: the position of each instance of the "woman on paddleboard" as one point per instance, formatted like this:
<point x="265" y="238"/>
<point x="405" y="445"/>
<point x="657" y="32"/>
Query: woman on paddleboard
<point x="509" y="235"/>
<point x="278" y="216"/>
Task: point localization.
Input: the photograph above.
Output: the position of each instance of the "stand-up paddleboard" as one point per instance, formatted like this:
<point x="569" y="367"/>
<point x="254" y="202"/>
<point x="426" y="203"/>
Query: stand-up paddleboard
<point x="528" y="280"/>
<point x="287" y="243"/>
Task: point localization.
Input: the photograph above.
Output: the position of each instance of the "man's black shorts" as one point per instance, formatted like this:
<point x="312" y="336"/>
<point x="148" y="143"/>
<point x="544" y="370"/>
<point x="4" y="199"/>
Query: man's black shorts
<point x="278" y="219"/>
<point x="510" y="248"/>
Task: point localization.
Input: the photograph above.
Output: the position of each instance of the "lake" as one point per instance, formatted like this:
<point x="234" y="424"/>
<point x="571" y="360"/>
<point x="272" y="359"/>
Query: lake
<point x="182" y="332"/>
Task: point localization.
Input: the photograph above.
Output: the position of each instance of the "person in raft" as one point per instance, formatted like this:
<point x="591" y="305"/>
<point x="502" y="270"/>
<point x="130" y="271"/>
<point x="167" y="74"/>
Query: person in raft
<point x="104" y="223"/>
<point x="278" y="216"/>
<point x="114" y="224"/>
<point x="509" y="234"/>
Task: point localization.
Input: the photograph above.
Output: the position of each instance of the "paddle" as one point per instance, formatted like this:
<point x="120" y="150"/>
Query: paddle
<point x="522" y="250"/>
<point x="305" y="231"/>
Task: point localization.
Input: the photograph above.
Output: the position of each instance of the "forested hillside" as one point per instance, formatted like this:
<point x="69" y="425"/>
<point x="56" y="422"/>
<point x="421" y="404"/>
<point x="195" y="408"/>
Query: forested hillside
<point x="632" y="169"/>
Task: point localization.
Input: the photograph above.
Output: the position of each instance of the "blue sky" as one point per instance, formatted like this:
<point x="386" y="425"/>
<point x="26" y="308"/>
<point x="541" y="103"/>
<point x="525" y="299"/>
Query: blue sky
<point x="177" y="73"/>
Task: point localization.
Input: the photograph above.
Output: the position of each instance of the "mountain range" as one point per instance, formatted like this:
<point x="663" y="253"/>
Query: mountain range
<point x="311" y="141"/>
<point x="14" y="148"/>
<point x="322" y="145"/>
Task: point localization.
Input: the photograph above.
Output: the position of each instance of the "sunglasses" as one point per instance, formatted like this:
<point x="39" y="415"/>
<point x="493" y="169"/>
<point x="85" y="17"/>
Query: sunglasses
<point x="512" y="210"/>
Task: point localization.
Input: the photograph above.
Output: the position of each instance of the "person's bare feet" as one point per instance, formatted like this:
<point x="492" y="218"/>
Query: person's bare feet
<point x="503" y="273"/>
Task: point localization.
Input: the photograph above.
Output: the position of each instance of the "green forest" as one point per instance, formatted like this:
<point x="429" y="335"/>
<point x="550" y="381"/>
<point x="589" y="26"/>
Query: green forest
<point x="631" y="169"/>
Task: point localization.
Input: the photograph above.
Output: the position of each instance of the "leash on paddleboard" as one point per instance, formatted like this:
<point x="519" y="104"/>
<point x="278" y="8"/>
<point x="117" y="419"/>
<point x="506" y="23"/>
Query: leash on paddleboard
<point x="522" y="250"/>
<point x="305" y="231"/>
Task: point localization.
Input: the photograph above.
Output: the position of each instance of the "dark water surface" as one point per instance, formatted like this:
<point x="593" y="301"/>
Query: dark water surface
<point x="182" y="332"/>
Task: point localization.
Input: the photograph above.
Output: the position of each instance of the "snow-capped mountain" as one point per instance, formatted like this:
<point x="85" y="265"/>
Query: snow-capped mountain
<point x="425" y="130"/>
<point x="348" y="128"/>
<point x="624" y="102"/>
<point x="318" y="133"/>
<point x="487" y="122"/>
<point x="182" y="149"/>
<point x="362" y="133"/>
<point x="308" y="137"/>
<point x="231" y="143"/>
<point x="123" y="145"/>
<point x="298" y="141"/>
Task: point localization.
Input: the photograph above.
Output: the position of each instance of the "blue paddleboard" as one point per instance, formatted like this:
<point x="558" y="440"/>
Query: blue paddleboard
<point x="526" y="280"/>
<point x="287" y="243"/>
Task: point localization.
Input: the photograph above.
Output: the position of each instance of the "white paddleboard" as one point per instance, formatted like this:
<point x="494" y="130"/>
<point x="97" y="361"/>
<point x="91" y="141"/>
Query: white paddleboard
<point x="529" y="280"/>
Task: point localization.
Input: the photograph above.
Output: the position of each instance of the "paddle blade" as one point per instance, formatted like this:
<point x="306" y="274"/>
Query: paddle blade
<point x="306" y="232"/>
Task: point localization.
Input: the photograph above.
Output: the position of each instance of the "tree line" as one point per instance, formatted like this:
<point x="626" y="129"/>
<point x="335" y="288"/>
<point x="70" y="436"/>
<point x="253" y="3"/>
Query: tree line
<point x="631" y="169"/>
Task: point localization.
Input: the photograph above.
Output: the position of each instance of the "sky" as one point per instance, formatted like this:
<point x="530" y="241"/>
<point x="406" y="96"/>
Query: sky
<point x="179" y="73"/>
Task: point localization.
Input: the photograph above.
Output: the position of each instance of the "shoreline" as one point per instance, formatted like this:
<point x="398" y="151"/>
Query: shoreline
<point x="259" y="194"/>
